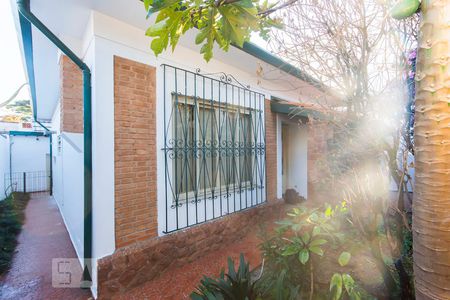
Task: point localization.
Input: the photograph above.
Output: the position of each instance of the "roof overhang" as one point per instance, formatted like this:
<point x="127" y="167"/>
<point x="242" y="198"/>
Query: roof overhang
<point x="40" y="55"/>
<point x="296" y="109"/>
<point x="279" y="63"/>
<point x="27" y="45"/>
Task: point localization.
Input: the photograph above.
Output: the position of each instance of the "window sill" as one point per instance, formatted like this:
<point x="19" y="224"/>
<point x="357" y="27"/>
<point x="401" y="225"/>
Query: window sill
<point x="216" y="194"/>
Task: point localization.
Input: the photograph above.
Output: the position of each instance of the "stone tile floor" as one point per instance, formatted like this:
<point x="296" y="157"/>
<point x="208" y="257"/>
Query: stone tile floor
<point x="43" y="237"/>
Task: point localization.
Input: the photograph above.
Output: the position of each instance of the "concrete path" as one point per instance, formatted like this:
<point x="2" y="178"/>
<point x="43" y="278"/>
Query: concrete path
<point x="43" y="237"/>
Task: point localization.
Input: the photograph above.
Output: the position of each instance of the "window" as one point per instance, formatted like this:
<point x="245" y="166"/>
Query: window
<point x="213" y="144"/>
<point x="213" y="147"/>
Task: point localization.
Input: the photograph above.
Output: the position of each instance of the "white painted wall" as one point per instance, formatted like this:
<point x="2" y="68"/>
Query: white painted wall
<point x="28" y="153"/>
<point x="8" y="126"/>
<point x="56" y="156"/>
<point x="68" y="169"/>
<point x="103" y="235"/>
<point x="4" y="163"/>
<point x="279" y="159"/>
<point x="68" y="184"/>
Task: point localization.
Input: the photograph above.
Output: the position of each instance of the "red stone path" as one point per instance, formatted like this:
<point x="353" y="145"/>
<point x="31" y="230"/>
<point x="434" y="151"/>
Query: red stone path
<point x="178" y="283"/>
<point x="43" y="237"/>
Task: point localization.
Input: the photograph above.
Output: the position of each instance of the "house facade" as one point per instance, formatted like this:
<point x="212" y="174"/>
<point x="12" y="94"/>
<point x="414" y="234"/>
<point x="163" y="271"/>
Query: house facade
<point x="186" y="155"/>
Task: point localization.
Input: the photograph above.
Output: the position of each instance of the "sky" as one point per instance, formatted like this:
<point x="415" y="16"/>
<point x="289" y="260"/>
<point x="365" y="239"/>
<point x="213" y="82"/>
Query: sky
<point x="12" y="73"/>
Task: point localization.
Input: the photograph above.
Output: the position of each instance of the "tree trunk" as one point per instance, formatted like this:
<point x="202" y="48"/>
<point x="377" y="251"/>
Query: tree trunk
<point x="431" y="206"/>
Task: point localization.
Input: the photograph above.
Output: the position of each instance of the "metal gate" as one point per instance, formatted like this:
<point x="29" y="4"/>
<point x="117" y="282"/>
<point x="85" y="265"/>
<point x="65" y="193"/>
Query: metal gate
<point x="27" y="182"/>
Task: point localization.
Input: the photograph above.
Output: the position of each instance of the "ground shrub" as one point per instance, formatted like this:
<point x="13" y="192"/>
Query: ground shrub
<point x="301" y="257"/>
<point x="234" y="285"/>
<point x="329" y="252"/>
<point x="303" y="244"/>
<point x="12" y="215"/>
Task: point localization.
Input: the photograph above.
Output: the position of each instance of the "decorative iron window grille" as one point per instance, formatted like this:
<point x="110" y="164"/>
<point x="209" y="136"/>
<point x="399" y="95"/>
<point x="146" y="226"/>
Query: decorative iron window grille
<point x="214" y="147"/>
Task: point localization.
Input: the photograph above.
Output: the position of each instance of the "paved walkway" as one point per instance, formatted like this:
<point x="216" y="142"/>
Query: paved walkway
<point x="43" y="237"/>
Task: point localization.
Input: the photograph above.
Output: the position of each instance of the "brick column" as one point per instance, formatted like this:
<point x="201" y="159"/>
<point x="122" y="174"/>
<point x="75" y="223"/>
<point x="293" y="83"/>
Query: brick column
<point x="71" y="96"/>
<point x="134" y="151"/>
<point x="271" y="152"/>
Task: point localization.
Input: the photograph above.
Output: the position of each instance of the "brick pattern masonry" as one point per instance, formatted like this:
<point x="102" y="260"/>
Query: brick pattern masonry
<point x="134" y="151"/>
<point x="271" y="152"/>
<point x="144" y="261"/>
<point x="71" y="93"/>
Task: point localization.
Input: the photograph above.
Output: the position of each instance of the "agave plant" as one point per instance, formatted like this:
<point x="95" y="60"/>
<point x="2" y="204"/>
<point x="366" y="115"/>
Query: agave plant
<point x="235" y="285"/>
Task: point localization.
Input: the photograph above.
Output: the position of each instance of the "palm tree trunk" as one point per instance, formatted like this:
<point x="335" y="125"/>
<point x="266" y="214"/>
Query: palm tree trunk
<point x="431" y="207"/>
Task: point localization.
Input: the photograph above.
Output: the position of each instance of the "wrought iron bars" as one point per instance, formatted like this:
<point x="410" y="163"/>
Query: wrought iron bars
<point x="214" y="147"/>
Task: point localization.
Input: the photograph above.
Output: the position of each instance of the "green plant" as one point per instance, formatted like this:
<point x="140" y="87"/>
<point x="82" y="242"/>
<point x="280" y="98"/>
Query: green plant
<point x="300" y="242"/>
<point x="343" y="284"/>
<point x="278" y="285"/>
<point x="11" y="219"/>
<point x="235" y="285"/>
<point x="218" y="22"/>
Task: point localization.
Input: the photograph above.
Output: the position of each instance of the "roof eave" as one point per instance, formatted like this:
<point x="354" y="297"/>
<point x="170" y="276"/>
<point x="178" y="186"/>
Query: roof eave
<point x="26" y="37"/>
<point x="277" y="62"/>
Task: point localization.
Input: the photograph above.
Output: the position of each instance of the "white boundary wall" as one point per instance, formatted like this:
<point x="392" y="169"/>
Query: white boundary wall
<point x="28" y="153"/>
<point x="20" y="154"/>
<point x="4" y="163"/>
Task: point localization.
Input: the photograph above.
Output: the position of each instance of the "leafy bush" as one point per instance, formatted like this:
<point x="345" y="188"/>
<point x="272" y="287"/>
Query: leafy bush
<point x="343" y="284"/>
<point x="11" y="218"/>
<point x="304" y="245"/>
<point x="235" y="285"/>
<point x="301" y="242"/>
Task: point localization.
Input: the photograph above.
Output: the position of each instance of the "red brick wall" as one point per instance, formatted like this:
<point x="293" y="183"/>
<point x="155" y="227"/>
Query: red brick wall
<point x="149" y="260"/>
<point x="271" y="152"/>
<point x="134" y="151"/>
<point x="71" y="93"/>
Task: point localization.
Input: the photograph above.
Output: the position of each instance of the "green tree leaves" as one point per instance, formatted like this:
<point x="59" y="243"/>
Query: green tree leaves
<point x="169" y="26"/>
<point x="290" y="250"/>
<point x="341" y="284"/>
<point x="404" y="9"/>
<point x="336" y="286"/>
<point x="344" y="258"/>
<point x="303" y="256"/>
<point x="218" y="23"/>
<point x="308" y="227"/>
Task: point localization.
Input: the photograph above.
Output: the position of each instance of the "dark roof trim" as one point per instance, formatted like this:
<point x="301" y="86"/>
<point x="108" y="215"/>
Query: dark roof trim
<point x="27" y="41"/>
<point x="280" y="106"/>
<point x="277" y="62"/>
<point x="27" y="133"/>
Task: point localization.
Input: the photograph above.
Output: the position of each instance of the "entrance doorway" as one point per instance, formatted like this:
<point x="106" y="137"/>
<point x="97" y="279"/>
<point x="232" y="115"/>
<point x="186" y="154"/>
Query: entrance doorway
<point x="294" y="157"/>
